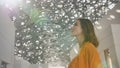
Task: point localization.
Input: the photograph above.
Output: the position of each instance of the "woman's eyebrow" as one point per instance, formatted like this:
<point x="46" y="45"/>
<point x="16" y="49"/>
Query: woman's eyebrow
<point x="75" y="23"/>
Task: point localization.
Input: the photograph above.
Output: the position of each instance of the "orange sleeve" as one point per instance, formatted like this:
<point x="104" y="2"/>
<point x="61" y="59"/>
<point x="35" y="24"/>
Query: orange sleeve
<point x="91" y="57"/>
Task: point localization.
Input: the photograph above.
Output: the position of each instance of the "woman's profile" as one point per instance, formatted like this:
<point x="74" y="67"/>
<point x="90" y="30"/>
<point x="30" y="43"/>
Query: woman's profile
<point x="88" y="56"/>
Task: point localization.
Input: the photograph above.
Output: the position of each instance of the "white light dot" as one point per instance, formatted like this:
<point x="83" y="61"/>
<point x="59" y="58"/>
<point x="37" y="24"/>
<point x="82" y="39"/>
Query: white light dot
<point x="75" y="50"/>
<point x="62" y="45"/>
<point x="18" y="33"/>
<point x="41" y="60"/>
<point x="104" y="1"/>
<point x="37" y="41"/>
<point x="35" y="25"/>
<point x="34" y="4"/>
<point x="43" y="7"/>
<point x="62" y="1"/>
<point x="28" y="1"/>
<point x="20" y="51"/>
<point x="93" y="1"/>
<point x="18" y="44"/>
<point x="19" y="55"/>
<point x="39" y="57"/>
<point x="67" y="48"/>
<point x="56" y="11"/>
<point x="66" y="21"/>
<point x="60" y="6"/>
<point x="36" y="47"/>
<point x="20" y="8"/>
<point x="40" y="37"/>
<point x="40" y="47"/>
<point x="22" y="23"/>
<point x="72" y="17"/>
<point x="76" y="15"/>
<point x="28" y="28"/>
<point x="36" y="0"/>
<point x="97" y="23"/>
<point x="14" y="18"/>
<point x="51" y="4"/>
<point x="112" y="16"/>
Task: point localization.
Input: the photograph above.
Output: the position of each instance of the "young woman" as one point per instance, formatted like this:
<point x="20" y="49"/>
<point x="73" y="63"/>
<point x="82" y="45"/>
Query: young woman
<point x="88" y="56"/>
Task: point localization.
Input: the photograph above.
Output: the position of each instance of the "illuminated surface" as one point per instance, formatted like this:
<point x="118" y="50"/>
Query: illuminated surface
<point x="43" y="26"/>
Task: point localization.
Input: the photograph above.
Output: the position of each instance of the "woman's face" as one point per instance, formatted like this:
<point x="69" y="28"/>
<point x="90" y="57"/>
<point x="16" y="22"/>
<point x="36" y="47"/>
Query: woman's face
<point x="76" y="29"/>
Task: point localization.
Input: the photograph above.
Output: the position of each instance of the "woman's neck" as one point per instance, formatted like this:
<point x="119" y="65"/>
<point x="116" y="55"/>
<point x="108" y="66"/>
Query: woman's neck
<point x="80" y="39"/>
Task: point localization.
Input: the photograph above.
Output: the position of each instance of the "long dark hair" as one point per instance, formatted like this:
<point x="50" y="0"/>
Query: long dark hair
<point x="88" y="31"/>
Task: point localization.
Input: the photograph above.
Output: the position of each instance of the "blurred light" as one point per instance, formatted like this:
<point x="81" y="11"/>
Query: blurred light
<point x="10" y="3"/>
<point x="76" y="51"/>
<point x="111" y="6"/>
<point x="18" y="33"/>
<point x="37" y="47"/>
<point x="118" y="10"/>
<point x="99" y="27"/>
<point x="76" y="15"/>
<point x="20" y="51"/>
<point x="60" y="6"/>
<point x="62" y="45"/>
<point x="112" y="16"/>
<point x="18" y="44"/>
<point x="97" y="23"/>
<point x="22" y="23"/>
<point x="28" y="1"/>
<point x="14" y="18"/>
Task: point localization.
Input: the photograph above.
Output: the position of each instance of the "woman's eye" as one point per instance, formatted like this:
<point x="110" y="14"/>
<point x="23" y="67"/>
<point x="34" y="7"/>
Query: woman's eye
<point x="75" y="24"/>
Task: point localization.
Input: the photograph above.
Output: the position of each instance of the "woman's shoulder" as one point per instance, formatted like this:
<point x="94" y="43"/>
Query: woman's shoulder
<point x="89" y="49"/>
<point x="88" y="46"/>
